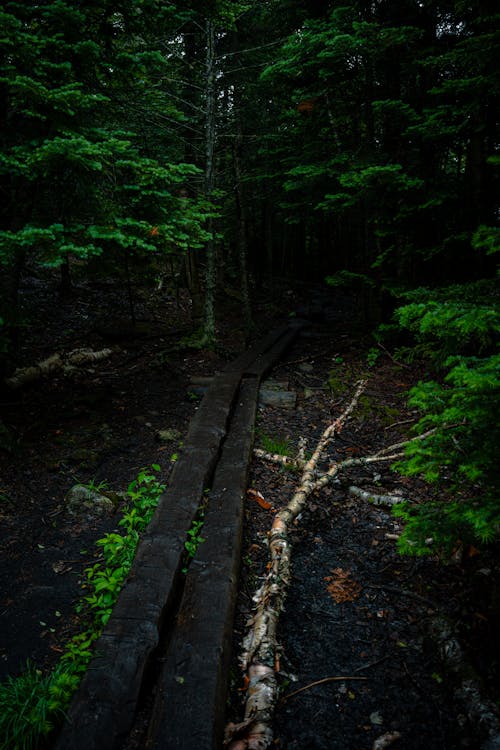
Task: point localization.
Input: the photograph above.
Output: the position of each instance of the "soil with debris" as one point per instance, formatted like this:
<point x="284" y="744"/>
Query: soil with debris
<point x="358" y="664"/>
<point x="356" y="609"/>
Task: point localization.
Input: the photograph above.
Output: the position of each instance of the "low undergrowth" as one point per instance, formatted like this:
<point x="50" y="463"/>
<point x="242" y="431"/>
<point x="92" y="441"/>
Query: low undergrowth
<point x="456" y="330"/>
<point x="33" y="705"/>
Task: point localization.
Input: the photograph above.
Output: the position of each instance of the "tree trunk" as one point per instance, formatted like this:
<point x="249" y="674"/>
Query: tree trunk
<point x="190" y="46"/>
<point x="210" y="136"/>
<point x="241" y="208"/>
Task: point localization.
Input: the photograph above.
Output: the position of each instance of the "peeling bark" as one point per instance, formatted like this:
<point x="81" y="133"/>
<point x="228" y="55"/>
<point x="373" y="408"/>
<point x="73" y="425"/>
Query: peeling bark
<point x="260" y="648"/>
<point x="260" y="651"/>
<point x="375" y="499"/>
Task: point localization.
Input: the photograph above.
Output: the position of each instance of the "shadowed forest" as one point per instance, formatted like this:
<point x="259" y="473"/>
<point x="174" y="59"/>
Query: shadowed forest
<point x="176" y="180"/>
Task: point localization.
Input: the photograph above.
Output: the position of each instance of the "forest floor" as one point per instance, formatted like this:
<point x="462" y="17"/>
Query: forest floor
<point x="356" y="608"/>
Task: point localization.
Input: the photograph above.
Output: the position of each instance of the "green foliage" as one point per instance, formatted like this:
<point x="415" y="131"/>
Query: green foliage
<point x="350" y="280"/>
<point x="372" y="356"/>
<point x="453" y="320"/>
<point x="94" y="486"/>
<point x="194" y="538"/>
<point x="488" y="239"/>
<point x="462" y="409"/>
<point x="384" y="138"/>
<point x="276" y="445"/>
<point x="33" y="704"/>
<point x="75" y="183"/>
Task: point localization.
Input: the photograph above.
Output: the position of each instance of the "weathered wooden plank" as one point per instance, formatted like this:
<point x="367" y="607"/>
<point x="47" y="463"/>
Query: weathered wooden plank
<point x="103" y="709"/>
<point x="283" y="399"/>
<point x="263" y="362"/>
<point x="98" y="719"/>
<point x="191" y="695"/>
<point x="258" y="350"/>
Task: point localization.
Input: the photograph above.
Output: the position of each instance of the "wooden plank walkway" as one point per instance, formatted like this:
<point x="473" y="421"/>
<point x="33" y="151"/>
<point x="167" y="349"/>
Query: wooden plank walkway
<point x="186" y="617"/>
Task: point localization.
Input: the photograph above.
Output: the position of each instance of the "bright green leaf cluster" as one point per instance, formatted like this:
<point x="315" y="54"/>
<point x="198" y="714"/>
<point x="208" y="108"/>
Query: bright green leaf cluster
<point x="33" y="704"/>
<point x="462" y="409"/>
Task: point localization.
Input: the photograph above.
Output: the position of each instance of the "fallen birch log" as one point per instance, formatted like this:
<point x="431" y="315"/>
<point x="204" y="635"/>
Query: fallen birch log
<point x="259" y="657"/>
<point x="260" y="653"/>
<point x="66" y="362"/>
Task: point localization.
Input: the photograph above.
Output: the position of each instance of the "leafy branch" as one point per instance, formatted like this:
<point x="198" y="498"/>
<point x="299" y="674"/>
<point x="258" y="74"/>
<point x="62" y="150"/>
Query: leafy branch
<point x="33" y="704"/>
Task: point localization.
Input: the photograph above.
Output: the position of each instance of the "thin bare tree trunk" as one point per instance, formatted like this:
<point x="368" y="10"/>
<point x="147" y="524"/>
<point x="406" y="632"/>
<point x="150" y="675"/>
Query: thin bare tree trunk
<point x="242" y="227"/>
<point x="210" y="136"/>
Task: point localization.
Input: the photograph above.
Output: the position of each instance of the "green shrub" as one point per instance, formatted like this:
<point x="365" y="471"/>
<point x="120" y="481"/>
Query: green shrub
<point x="457" y="329"/>
<point x="33" y="704"/>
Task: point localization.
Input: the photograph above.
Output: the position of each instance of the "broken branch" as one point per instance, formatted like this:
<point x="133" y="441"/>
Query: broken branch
<point x="259" y="646"/>
<point x="259" y="656"/>
<point x="65" y="362"/>
<point x="375" y="499"/>
<point x="320" y="682"/>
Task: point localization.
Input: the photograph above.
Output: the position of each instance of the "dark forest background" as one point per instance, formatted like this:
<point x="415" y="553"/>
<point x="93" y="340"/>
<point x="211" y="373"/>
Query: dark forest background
<point x="348" y="149"/>
<point x="234" y="145"/>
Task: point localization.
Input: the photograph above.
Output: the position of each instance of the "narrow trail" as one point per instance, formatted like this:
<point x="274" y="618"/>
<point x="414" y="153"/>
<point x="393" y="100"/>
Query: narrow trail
<point x="356" y="663"/>
<point x="170" y="655"/>
<point x="160" y="639"/>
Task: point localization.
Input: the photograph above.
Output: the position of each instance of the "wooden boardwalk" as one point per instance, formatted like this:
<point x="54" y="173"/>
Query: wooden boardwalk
<point x="170" y="632"/>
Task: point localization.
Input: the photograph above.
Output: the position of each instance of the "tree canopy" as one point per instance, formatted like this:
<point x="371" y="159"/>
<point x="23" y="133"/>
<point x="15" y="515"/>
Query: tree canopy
<point x="355" y="142"/>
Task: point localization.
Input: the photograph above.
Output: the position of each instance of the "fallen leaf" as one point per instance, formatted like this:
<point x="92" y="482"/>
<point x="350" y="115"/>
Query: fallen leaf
<point x="255" y="495"/>
<point x="471" y="551"/>
<point x="341" y="587"/>
<point x="376" y="718"/>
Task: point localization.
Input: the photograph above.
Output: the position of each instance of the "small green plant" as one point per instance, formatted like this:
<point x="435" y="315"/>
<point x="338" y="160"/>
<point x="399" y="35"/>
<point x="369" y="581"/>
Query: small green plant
<point x="279" y="446"/>
<point x="94" y="486"/>
<point x="33" y="704"/>
<point x="106" y="579"/>
<point x="4" y="498"/>
<point x="372" y="356"/>
<point x="194" y="540"/>
<point x="457" y="329"/>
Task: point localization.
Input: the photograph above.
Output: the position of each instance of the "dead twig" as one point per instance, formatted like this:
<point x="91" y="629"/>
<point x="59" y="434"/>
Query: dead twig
<point x="374" y="499"/>
<point x="398" y="424"/>
<point x="66" y="362"/>
<point x="396" y="361"/>
<point x="276" y="458"/>
<point x="260" y="647"/>
<point x="371" y="664"/>
<point x="320" y="682"/>
<point x="259" y="657"/>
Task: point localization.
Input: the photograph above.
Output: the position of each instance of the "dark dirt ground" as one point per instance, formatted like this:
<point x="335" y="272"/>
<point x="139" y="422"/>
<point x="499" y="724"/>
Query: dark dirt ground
<point x="380" y="635"/>
<point x="101" y="425"/>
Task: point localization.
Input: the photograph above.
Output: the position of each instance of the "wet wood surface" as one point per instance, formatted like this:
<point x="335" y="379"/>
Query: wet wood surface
<point x="157" y="595"/>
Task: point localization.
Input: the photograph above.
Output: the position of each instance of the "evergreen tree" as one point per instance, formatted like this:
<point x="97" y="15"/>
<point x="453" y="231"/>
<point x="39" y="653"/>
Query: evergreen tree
<point x="81" y="172"/>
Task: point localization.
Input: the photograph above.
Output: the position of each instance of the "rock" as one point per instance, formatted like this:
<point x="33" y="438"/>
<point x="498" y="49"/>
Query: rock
<point x="80" y="501"/>
<point x="167" y="436"/>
